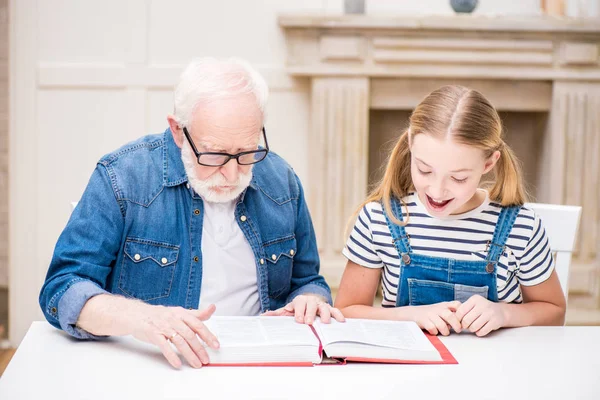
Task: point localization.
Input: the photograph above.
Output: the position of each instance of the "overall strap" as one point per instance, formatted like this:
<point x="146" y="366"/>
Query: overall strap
<point x="506" y="220"/>
<point x="399" y="236"/>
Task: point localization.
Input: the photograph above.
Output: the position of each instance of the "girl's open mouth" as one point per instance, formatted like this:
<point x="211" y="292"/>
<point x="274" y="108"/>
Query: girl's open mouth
<point x="437" y="205"/>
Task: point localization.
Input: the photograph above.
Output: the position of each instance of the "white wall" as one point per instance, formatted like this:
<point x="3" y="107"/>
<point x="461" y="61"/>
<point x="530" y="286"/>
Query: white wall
<point x="88" y="76"/>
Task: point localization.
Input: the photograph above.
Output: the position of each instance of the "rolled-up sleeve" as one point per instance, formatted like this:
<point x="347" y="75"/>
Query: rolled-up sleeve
<point x="84" y="255"/>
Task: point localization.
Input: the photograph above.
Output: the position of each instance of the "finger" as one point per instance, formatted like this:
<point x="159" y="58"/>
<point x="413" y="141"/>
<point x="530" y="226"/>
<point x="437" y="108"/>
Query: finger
<point x="311" y="311"/>
<point x="464" y="309"/>
<point x="471" y="316"/>
<point x="453" y="305"/>
<point x="324" y="313"/>
<point x="185" y="350"/>
<point x="430" y="327"/>
<point x="299" y="310"/>
<point x="278" y="312"/>
<point x="441" y="325"/>
<point x="452" y="321"/>
<point x="198" y="328"/>
<point x="165" y="347"/>
<point x="486" y="329"/>
<point x="189" y="335"/>
<point x="337" y="314"/>
<point x="203" y="314"/>
<point x="479" y="323"/>
<point x="203" y="332"/>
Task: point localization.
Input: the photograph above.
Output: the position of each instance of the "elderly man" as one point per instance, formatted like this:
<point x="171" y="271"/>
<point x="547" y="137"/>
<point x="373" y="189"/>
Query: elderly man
<point x="173" y="224"/>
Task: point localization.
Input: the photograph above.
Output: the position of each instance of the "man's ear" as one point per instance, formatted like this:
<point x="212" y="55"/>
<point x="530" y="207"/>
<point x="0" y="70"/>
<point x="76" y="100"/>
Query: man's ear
<point x="176" y="130"/>
<point x="490" y="163"/>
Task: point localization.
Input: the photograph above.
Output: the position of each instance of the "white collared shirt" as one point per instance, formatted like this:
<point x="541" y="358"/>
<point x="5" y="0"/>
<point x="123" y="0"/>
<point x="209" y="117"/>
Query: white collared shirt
<point x="229" y="277"/>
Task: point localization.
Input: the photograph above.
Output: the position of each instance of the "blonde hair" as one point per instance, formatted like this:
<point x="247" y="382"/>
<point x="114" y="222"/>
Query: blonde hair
<point x="470" y="119"/>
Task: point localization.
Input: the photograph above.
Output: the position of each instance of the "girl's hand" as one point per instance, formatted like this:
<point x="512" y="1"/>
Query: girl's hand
<point x="481" y="316"/>
<point x="306" y="307"/>
<point x="437" y="318"/>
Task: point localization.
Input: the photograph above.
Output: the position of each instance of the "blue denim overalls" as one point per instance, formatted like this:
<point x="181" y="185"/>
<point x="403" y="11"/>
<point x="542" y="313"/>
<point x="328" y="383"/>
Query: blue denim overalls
<point x="427" y="280"/>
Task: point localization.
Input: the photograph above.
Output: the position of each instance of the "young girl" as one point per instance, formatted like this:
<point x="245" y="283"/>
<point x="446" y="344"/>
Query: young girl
<point x="448" y="253"/>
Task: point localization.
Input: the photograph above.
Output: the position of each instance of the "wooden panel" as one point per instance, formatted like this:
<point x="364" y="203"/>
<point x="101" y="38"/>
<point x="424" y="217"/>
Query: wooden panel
<point x="342" y="48"/>
<point x="462" y="44"/>
<point x="579" y="53"/>
<point x="339" y="138"/>
<point x="505" y="95"/>
<point x="461" y="56"/>
<point x="463" y="50"/>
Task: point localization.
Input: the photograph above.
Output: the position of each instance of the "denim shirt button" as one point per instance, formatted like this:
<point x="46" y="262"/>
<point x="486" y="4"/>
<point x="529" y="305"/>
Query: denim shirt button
<point x="243" y="218"/>
<point x="164" y="260"/>
<point x="196" y="259"/>
<point x="53" y="310"/>
<point x="273" y="257"/>
<point x="262" y="261"/>
<point x="137" y="257"/>
<point x="292" y="252"/>
<point x="196" y="212"/>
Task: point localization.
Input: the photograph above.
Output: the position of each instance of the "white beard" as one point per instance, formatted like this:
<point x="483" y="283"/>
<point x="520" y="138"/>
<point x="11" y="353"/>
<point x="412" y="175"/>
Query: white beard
<point x="205" y="188"/>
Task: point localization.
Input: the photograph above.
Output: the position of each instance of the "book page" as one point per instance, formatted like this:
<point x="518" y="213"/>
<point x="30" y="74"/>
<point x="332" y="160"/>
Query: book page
<point x="393" y="334"/>
<point x="260" y="331"/>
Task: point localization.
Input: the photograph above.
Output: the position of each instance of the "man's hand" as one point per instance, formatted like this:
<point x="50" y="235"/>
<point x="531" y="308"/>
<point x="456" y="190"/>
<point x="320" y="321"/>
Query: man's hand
<point x="481" y="316"/>
<point x="306" y="307"/>
<point x="162" y="326"/>
<point x="437" y="318"/>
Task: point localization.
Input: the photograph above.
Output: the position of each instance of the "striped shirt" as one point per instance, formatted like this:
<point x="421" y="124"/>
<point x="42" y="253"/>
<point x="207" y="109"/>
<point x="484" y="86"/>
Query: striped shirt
<point x="526" y="261"/>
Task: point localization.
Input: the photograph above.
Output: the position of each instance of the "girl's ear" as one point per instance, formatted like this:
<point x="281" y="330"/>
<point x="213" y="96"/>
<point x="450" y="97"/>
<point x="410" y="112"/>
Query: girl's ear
<point x="490" y="163"/>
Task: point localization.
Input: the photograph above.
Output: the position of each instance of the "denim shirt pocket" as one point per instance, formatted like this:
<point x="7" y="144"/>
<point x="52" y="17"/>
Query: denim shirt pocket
<point x="148" y="268"/>
<point x="280" y="261"/>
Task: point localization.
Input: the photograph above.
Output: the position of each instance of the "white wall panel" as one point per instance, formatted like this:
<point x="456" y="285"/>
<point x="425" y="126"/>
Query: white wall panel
<point x="83" y="31"/>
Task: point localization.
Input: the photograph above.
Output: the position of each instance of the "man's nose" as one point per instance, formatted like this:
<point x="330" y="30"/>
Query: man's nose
<point x="230" y="171"/>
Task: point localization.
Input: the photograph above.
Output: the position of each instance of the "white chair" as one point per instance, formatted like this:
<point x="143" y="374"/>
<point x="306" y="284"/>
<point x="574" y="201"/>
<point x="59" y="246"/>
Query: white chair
<point x="561" y="223"/>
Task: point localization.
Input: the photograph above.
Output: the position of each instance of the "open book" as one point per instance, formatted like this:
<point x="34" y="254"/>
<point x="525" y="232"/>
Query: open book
<point x="283" y="341"/>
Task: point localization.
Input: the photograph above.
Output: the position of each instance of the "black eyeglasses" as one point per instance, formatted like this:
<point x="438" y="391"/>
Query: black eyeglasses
<point x="212" y="159"/>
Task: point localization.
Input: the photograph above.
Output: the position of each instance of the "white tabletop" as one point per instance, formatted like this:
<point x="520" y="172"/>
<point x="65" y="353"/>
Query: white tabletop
<point x="526" y="363"/>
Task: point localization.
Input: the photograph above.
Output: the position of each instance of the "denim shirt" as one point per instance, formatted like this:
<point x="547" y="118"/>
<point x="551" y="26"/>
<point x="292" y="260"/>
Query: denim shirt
<point x="137" y="232"/>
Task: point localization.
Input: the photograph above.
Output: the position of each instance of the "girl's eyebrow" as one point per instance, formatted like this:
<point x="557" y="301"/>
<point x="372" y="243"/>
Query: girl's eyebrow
<point x="463" y="170"/>
<point x="429" y="166"/>
<point x="422" y="162"/>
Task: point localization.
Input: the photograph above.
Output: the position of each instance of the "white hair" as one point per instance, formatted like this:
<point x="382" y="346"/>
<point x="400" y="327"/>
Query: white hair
<point x="210" y="78"/>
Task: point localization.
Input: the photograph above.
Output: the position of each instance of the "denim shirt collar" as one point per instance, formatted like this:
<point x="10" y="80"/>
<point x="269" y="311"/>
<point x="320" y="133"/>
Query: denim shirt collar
<point x="173" y="171"/>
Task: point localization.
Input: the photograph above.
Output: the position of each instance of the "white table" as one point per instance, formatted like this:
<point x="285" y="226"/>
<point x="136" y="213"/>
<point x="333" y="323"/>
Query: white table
<point x="526" y="363"/>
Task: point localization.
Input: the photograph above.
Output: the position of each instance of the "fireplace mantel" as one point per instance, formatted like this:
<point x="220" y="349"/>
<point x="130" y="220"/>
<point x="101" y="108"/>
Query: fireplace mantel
<point x="484" y="23"/>
<point x="458" y="47"/>
<point x="360" y="63"/>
